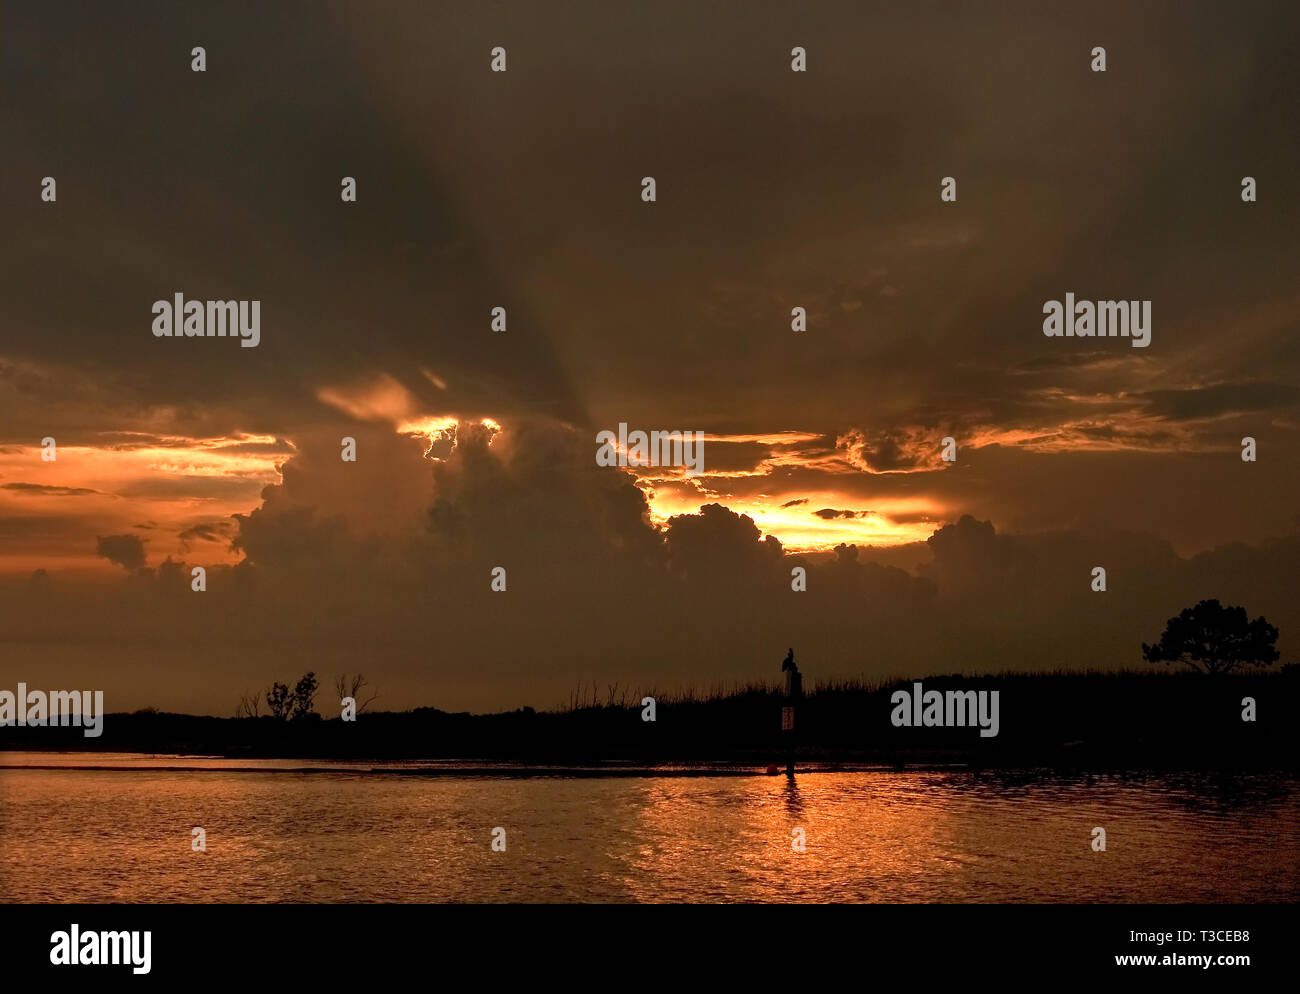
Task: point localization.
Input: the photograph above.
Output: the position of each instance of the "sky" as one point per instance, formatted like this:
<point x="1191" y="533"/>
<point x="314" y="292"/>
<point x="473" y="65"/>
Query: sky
<point x="522" y="190"/>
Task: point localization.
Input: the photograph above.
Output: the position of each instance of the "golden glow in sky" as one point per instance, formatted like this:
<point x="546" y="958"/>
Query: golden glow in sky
<point x="179" y="494"/>
<point x="801" y="529"/>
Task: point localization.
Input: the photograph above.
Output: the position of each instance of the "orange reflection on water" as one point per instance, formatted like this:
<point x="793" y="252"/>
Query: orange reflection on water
<point x="83" y="835"/>
<point x="736" y="839"/>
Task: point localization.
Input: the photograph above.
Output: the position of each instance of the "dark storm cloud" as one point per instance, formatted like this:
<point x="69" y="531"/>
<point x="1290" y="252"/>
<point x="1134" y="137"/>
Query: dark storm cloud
<point x="726" y="457"/>
<point x="521" y="189"/>
<point x="47" y="490"/>
<point x="599" y="593"/>
<point x="898" y="451"/>
<point x="1221" y="399"/>
<point x="208" y="531"/>
<point x="776" y="190"/>
<point x="226" y="184"/>
<point x="126" y="551"/>
<point x="829" y="513"/>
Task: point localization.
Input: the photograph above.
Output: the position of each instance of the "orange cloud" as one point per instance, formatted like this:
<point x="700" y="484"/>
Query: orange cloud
<point x="154" y="487"/>
<point x="380" y="398"/>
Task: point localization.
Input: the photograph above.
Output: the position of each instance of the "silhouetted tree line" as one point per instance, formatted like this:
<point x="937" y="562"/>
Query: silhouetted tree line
<point x="283" y="704"/>
<point x="1066" y="719"/>
<point x="299" y="704"/>
<point x="1211" y="638"/>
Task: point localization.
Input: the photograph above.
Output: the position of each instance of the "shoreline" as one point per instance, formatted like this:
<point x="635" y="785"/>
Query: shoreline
<point x="1058" y="721"/>
<point x="525" y="772"/>
<point x="502" y="770"/>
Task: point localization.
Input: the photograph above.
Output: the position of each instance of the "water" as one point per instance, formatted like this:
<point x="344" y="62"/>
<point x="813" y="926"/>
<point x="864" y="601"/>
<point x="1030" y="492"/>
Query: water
<point x="79" y="835"/>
